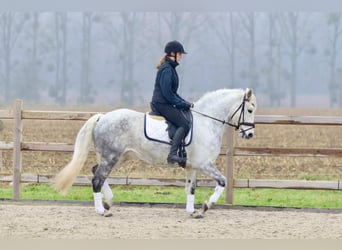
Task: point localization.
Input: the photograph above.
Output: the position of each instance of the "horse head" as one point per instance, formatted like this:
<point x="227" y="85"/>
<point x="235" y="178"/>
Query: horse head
<point x="243" y="117"/>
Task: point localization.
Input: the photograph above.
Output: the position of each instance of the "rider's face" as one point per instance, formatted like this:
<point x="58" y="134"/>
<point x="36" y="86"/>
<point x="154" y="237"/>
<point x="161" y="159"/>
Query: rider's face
<point x="179" y="56"/>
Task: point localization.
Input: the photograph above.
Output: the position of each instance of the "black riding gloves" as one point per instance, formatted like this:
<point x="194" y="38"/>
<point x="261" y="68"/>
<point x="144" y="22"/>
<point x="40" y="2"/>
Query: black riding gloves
<point x="189" y="105"/>
<point x="184" y="105"/>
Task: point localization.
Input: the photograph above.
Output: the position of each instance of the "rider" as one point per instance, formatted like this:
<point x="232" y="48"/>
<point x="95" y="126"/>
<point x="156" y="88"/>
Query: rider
<point x="165" y="99"/>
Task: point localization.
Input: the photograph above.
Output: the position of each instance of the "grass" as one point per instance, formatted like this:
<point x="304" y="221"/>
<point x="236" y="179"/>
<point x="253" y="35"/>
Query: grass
<point x="248" y="197"/>
<point x="289" y="198"/>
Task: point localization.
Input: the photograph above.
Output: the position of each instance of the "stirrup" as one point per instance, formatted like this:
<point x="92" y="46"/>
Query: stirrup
<point x="182" y="163"/>
<point x="182" y="155"/>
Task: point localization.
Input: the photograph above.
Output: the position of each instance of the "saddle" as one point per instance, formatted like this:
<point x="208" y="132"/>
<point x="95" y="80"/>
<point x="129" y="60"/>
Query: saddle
<point x="158" y="129"/>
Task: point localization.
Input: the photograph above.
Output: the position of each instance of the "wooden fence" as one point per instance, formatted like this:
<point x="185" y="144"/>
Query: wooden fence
<point x="18" y="114"/>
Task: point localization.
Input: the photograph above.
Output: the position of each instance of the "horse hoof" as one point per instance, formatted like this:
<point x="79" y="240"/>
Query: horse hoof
<point x="205" y="206"/>
<point x="107" y="214"/>
<point x="197" y="215"/>
<point x="106" y="205"/>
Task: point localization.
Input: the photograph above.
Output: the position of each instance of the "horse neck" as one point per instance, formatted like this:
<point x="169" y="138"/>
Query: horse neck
<point x="220" y="104"/>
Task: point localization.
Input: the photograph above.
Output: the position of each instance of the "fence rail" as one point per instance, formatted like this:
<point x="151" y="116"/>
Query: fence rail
<point x="240" y="183"/>
<point x="230" y="150"/>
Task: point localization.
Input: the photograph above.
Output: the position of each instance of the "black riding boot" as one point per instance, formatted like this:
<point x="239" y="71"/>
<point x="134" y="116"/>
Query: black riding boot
<point x="176" y="141"/>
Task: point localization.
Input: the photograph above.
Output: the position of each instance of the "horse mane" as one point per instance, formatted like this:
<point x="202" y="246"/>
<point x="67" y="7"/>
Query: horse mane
<point x="219" y="103"/>
<point x="216" y="95"/>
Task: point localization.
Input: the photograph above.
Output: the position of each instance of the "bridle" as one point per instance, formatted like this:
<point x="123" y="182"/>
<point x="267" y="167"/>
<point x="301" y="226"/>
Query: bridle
<point x="241" y="120"/>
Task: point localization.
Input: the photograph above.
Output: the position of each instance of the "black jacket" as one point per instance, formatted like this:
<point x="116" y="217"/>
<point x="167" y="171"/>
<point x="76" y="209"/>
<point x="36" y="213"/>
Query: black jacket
<point x="166" y="86"/>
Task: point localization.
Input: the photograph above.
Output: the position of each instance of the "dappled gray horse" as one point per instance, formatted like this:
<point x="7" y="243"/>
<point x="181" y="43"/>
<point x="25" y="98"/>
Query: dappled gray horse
<point x="122" y="131"/>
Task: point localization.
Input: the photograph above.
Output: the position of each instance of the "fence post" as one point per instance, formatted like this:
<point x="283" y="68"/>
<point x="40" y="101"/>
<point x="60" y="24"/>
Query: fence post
<point x="17" y="158"/>
<point x="230" y="166"/>
<point x="1" y="163"/>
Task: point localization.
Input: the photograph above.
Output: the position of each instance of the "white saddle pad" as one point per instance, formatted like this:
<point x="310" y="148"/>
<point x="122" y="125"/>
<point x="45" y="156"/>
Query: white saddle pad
<point x="155" y="129"/>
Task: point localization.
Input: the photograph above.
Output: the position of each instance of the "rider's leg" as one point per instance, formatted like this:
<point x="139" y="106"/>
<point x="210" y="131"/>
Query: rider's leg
<point x="176" y="141"/>
<point x="176" y="117"/>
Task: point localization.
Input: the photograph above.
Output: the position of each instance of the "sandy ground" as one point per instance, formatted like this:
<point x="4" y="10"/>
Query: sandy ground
<point x="51" y="221"/>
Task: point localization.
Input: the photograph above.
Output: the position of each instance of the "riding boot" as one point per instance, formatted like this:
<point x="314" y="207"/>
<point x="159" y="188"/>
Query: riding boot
<point x="182" y="154"/>
<point x="176" y="141"/>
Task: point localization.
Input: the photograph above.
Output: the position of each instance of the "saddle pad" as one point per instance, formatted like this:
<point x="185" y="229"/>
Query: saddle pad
<point x="155" y="129"/>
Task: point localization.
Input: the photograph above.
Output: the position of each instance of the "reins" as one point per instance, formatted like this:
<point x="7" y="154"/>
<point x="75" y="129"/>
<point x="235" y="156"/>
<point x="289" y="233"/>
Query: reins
<point x="208" y="116"/>
<point x="241" y="116"/>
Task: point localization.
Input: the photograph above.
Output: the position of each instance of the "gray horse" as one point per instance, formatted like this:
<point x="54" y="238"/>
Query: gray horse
<point x="122" y="131"/>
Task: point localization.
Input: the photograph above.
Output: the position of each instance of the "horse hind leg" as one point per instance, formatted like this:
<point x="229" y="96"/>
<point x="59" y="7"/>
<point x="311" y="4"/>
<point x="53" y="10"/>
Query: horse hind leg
<point x="106" y="190"/>
<point x="108" y="195"/>
<point x="99" y="181"/>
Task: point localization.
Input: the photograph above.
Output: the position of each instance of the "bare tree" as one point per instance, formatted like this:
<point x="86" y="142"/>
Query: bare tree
<point x="296" y="37"/>
<point x="11" y="25"/>
<point x="34" y="54"/>
<point x="122" y="30"/>
<point x="335" y="89"/>
<point x="274" y="66"/>
<point x="226" y="28"/>
<point x="28" y="84"/>
<point x="182" y="25"/>
<point x="58" y="90"/>
<point x="86" y="90"/>
<point x="249" y="24"/>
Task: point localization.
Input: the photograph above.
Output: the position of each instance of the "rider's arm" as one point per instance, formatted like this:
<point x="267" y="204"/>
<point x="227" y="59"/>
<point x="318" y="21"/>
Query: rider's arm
<point x="173" y="98"/>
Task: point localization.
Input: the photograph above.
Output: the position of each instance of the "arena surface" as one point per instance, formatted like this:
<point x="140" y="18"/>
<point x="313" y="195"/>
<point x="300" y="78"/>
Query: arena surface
<point x="20" y="220"/>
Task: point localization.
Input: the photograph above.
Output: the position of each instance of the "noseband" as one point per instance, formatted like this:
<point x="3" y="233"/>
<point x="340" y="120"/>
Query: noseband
<point x="241" y="120"/>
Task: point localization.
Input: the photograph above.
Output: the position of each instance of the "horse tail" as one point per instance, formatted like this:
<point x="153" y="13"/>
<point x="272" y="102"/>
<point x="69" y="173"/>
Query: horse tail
<point x="66" y="177"/>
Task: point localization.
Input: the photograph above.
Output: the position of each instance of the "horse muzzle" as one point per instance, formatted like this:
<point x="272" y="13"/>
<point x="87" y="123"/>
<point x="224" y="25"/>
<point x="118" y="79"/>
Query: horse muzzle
<point x="247" y="130"/>
<point x="246" y="134"/>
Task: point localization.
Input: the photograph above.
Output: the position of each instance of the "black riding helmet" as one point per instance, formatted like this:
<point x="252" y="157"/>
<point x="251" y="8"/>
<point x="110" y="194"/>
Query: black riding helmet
<point x="174" y="46"/>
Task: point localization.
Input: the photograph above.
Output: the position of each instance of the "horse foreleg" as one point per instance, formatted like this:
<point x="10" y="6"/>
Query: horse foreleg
<point x="213" y="198"/>
<point x="190" y="187"/>
<point x="210" y="170"/>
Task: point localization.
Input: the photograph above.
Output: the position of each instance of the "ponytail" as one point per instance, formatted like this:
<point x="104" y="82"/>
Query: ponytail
<point x="161" y="61"/>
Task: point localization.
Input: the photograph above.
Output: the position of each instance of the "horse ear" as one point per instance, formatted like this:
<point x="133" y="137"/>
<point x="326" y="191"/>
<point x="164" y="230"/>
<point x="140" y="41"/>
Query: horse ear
<point x="249" y="93"/>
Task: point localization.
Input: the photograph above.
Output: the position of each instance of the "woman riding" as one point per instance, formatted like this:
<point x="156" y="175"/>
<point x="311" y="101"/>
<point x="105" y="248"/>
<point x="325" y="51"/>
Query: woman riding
<point x="165" y="99"/>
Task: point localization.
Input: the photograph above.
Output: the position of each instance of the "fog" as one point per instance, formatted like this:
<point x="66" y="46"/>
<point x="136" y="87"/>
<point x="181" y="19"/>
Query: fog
<point x="290" y="59"/>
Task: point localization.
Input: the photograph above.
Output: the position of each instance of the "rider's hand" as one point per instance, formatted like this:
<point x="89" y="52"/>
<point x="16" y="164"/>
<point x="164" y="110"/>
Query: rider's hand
<point x="189" y="105"/>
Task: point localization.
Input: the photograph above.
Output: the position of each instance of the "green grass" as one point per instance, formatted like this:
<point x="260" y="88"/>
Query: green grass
<point x="248" y="197"/>
<point x="289" y="198"/>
